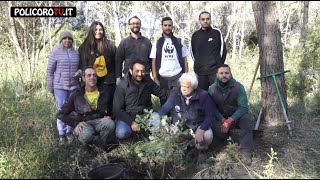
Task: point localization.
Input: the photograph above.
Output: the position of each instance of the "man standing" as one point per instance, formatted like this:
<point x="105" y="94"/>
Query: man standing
<point x="87" y="112"/>
<point x="208" y="51"/>
<point x="230" y="101"/>
<point x="132" y="96"/>
<point x="168" y="57"/>
<point x="133" y="47"/>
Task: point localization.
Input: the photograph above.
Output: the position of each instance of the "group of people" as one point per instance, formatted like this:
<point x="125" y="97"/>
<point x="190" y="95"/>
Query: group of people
<point x="100" y="88"/>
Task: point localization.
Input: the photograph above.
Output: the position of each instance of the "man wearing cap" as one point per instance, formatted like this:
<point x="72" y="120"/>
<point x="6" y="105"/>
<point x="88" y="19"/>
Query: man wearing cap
<point x="62" y="77"/>
<point x="87" y="112"/>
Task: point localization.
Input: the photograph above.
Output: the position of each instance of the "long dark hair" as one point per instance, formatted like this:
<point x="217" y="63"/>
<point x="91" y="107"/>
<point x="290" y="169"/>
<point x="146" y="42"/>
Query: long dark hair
<point x="91" y="45"/>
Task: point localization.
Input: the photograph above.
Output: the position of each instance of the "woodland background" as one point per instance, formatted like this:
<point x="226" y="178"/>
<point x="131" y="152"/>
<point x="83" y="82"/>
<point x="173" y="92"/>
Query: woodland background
<point x="28" y="143"/>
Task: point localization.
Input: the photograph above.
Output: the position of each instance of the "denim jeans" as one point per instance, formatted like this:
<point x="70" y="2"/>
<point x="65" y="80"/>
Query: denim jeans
<point x="123" y="129"/>
<point x="97" y="131"/>
<point x="61" y="96"/>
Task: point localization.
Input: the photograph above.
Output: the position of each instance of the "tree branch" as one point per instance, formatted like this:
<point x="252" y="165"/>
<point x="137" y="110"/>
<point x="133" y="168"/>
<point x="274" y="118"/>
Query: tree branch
<point x="183" y="32"/>
<point x="53" y="35"/>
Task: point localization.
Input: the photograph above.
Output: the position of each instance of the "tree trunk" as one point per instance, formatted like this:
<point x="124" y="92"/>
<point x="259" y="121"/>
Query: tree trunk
<point x="225" y="12"/>
<point x="232" y="23"/>
<point x="303" y="38"/>
<point x="49" y="28"/>
<point x="271" y="59"/>
<point x="115" y="11"/>
<point x="287" y="27"/>
<point x="304" y="27"/>
<point x="13" y="37"/>
<point x="242" y="29"/>
<point x="234" y="42"/>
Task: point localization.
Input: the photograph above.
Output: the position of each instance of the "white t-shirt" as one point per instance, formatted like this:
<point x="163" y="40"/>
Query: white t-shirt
<point x="170" y="65"/>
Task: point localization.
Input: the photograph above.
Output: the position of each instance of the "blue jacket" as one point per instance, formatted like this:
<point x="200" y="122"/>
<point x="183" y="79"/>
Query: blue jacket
<point x="197" y="113"/>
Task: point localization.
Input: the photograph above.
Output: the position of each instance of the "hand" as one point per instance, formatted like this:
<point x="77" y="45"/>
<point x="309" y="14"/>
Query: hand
<point x="118" y="81"/>
<point x="226" y="123"/>
<point x="135" y="127"/>
<point x="199" y="136"/>
<point x="79" y="128"/>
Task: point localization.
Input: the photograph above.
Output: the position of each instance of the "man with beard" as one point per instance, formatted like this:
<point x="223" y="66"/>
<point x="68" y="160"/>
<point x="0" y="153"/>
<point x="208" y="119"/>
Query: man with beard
<point x="168" y="57"/>
<point x="231" y="103"/>
<point x="132" y="96"/>
<point x="133" y="47"/>
<point x="88" y="113"/>
<point x="208" y="51"/>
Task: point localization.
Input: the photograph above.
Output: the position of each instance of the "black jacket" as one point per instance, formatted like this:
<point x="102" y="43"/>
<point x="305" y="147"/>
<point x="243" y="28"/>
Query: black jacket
<point x="109" y="55"/>
<point x="77" y="108"/>
<point x="208" y="50"/>
<point x="131" y="99"/>
<point x="131" y="49"/>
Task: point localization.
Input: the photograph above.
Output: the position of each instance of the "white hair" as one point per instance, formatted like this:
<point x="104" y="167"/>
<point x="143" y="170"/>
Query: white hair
<point x="191" y="77"/>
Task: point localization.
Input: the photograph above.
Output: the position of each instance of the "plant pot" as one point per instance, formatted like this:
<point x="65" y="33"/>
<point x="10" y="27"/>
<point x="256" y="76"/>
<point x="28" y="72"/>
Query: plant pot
<point x="107" y="171"/>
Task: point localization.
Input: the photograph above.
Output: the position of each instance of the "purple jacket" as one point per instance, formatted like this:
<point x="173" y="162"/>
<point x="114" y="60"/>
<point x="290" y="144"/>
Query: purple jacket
<point x="62" y="65"/>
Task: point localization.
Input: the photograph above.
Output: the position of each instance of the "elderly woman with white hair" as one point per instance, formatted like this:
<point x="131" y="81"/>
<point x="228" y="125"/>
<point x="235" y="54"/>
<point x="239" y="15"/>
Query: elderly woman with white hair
<point x="193" y="107"/>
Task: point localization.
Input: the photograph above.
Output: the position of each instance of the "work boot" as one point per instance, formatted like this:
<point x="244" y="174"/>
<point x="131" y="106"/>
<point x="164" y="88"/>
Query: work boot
<point x="246" y="158"/>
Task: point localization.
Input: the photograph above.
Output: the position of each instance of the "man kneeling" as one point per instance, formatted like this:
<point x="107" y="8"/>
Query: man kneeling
<point x="230" y="100"/>
<point x="87" y="112"/>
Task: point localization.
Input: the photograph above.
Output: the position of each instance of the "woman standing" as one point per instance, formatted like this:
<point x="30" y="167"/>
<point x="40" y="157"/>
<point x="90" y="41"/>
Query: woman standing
<point x="63" y="77"/>
<point x="99" y="52"/>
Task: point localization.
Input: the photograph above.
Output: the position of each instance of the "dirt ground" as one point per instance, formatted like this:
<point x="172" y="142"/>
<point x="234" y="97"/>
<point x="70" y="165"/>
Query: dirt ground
<point x="297" y="157"/>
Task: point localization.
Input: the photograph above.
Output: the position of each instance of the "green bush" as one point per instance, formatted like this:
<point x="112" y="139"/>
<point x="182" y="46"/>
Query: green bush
<point x="303" y="80"/>
<point x="26" y="128"/>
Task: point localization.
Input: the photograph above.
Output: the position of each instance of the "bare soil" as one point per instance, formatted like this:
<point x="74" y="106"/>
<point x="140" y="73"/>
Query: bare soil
<point x="297" y="157"/>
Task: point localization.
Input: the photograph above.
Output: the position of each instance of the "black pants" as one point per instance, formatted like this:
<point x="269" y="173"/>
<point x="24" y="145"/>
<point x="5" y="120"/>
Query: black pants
<point x="169" y="83"/>
<point x="110" y="89"/>
<point x="206" y="80"/>
<point x="246" y="132"/>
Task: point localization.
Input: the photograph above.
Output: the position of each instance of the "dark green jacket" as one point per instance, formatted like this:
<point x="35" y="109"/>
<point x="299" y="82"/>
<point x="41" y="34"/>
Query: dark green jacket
<point x="230" y="100"/>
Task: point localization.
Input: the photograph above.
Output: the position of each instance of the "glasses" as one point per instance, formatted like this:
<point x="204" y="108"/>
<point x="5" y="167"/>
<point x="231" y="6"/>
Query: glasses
<point x="135" y="24"/>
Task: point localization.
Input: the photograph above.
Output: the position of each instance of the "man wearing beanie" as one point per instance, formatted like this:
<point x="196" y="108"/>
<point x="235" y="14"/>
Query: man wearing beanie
<point x="62" y="77"/>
